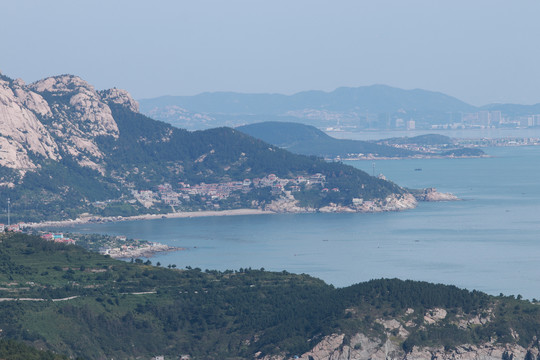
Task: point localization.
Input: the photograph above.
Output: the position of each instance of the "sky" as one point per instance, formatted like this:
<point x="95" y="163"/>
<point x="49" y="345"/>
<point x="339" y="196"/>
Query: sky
<point x="481" y="51"/>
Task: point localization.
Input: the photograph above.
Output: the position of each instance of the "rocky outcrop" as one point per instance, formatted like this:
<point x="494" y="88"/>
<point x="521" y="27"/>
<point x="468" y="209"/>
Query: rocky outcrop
<point x="119" y="96"/>
<point x="362" y="347"/>
<point x="431" y="194"/>
<point x="394" y="202"/>
<point x="60" y="114"/>
<point x="21" y="131"/>
<point x="287" y="204"/>
<point x="388" y="344"/>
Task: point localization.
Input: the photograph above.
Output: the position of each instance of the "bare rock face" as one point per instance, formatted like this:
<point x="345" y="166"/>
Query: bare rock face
<point x="389" y="345"/>
<point x="21" y="131"/>
<point x="88" y="113"/>
<point x="361" y="347"/>
<point x="119" y="96"/>
<point x="30" y="99"/>
<point x="434" y="315"/>
<point x="77" y="123"/>
<point x="287" y="204"/>
<point x="53" y="116"/>
<point x="431" y="194"/>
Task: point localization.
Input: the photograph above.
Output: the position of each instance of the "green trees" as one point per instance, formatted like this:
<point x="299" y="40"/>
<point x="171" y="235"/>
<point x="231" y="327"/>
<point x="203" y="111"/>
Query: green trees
<point x="14" y="350"/>
<point x="124" y="309"/>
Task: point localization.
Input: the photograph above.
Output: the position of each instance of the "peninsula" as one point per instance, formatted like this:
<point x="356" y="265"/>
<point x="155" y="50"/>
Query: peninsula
<point x="72" y="152"/>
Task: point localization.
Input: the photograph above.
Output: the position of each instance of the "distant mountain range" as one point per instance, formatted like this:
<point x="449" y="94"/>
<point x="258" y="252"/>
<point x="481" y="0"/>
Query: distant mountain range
<point x="513" y="109"/>
<point x="375" y="98"/>
<point x="308" y="140"/>
<point x="366" y="106"/>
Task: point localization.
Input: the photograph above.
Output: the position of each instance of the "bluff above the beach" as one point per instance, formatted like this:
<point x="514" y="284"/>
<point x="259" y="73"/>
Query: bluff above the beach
<point x="68" y="149"/>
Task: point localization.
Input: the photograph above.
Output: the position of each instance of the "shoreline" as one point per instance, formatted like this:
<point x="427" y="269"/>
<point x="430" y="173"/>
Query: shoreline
<point x="183" y="214"/>
<point x="396" y="205"/>
<point x="145" y="252"/>
<point x="364" y="158"/>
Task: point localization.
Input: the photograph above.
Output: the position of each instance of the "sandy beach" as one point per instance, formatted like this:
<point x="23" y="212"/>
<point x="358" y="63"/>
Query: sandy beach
<point x="95" y="219"/>
<point x="433" y="196"/>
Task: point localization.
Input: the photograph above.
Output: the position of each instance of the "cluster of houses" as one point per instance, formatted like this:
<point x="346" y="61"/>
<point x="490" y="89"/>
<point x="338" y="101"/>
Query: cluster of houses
<point x="58" y="238"/>
<point x="220" y="191"/>
<point x="182" y="357"/>
<point x="13" y="227"/>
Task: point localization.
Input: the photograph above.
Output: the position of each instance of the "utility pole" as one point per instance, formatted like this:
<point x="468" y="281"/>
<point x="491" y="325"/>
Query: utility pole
<point x="8" y="212"/>
<point x="373" y="171"/>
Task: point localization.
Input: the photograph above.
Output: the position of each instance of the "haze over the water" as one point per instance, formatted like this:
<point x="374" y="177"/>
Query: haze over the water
<point x="479" y="51"/>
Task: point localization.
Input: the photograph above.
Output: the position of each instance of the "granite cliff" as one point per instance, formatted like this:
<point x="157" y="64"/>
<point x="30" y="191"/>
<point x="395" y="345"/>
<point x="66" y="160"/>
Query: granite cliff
<point x="54" y="117"/>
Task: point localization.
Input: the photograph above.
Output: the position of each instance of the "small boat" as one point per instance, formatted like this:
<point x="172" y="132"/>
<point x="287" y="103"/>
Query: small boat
<point x="418" y="169"/>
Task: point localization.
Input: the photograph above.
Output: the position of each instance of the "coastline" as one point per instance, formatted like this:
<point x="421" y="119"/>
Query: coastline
<point x="184" y="214"/>
<point x="145" y="251"/>
<point x="391" y="203"/>
<point x="415" y="157"/>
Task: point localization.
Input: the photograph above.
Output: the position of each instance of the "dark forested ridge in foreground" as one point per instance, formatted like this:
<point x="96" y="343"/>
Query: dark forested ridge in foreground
<point x="68" y="149"/>
<point x="83" y="304"/>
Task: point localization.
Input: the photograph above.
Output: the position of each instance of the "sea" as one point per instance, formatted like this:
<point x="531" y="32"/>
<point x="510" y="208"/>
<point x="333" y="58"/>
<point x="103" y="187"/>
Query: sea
<point x="488" y="241"/>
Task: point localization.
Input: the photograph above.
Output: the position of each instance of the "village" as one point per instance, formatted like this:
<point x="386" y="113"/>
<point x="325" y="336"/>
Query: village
<point x="210" y="194"/>
<point x="118" y="247"/>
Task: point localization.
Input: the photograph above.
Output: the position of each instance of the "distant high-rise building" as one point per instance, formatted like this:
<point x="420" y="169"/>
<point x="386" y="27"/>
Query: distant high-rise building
<point x="484" y="118"/>
<point x="469" y="118"/>
<point x="495" y="117"/>
<point x="411" y="125"/>
<point x="399" y="123"/>
<point x="526" y="121"/>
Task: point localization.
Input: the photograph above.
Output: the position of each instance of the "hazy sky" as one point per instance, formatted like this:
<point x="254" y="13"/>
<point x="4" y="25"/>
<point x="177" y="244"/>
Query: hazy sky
<point x="480" y="51"/>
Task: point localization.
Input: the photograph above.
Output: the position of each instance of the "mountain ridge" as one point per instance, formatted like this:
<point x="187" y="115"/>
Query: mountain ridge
<point x="66" y="149"/>
<point x="196" y="103"/>
<point x="348" y="105"/>
<point x="364" y="107"/>
<point x="308" y="140"/>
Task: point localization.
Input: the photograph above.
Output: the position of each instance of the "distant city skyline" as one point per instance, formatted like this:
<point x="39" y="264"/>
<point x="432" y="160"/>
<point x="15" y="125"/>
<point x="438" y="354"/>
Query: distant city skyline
<point x="480" y="52"/>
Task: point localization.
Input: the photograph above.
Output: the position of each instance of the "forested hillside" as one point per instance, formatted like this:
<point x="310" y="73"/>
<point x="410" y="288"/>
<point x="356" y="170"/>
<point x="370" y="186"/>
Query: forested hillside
<point x="96" y="307"/>
<point x="308" y="140"/>
<point x="69" y="149"/>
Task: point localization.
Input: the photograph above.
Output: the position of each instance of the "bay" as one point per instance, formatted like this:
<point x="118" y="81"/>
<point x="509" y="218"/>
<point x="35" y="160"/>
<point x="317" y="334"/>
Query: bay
<point x="489" y="241"/>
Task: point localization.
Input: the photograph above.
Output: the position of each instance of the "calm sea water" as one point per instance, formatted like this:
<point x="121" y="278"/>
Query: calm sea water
<point x="490" y="241"/>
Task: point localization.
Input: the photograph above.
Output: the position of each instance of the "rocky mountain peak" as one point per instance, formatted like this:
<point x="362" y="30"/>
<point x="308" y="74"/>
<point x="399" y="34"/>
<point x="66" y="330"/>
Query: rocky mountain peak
<point x="55" y="116"/>
<point x="119" y="96"/>
<point x="21" y="131"/>
<point x="61" y="84"/>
